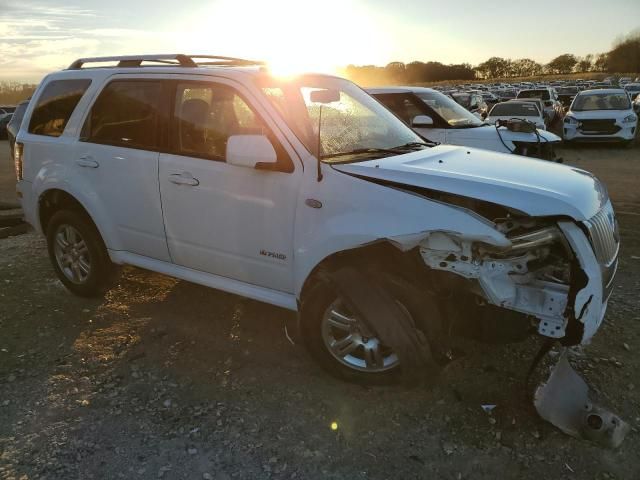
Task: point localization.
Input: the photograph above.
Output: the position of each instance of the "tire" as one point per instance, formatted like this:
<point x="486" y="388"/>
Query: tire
<point x="322" y="302"/>
<point x="78" y="254"/>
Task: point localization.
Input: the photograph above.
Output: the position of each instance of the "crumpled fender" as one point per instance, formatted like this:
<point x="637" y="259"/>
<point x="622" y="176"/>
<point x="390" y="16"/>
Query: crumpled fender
<point x="589" y="306"/>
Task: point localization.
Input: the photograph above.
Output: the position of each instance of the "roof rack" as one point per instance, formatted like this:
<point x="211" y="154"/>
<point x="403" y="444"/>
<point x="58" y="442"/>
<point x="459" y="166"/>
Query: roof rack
<point x="177" y="59"/>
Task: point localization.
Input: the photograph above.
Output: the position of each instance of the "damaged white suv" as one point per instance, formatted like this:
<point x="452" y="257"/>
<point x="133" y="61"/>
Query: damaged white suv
<point x="308" y="194"/>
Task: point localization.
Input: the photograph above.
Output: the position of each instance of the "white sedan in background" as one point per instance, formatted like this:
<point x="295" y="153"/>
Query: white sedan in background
<point x="514" y="109"/>
<point x="601" y="115"/>
<point x="438" y="118"/>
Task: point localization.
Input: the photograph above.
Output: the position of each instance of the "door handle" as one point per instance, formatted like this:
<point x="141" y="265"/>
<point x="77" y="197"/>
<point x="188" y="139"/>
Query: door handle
<point x="184" y="178"/>
<point x="87" y="161"/>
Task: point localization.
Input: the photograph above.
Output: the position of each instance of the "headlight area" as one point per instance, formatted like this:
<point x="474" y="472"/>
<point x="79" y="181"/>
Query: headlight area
<point x="530" y="281"/>
<point x="543" y="149"/>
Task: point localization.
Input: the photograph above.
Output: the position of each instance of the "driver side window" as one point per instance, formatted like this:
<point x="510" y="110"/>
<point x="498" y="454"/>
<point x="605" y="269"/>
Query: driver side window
<point x="206" y="115"/>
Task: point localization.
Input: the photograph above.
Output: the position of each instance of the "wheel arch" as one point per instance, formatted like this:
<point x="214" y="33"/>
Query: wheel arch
<point x="382" y="255"/>
<point x="55" y="199"/>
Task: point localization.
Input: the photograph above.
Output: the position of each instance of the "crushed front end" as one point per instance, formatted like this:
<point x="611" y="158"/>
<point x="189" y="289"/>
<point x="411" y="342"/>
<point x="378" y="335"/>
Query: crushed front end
<point x="557" y="273"/>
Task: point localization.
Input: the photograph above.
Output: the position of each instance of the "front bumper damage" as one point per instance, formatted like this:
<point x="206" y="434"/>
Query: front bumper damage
<point x="508" y="282"/>
<point x="570" y="309"/>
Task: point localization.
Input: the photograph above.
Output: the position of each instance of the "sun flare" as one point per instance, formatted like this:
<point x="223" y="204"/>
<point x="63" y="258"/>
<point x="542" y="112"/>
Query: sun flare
<point x="289" y="35"/>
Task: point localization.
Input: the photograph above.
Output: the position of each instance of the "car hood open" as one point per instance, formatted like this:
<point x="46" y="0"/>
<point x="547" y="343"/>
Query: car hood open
<point x="535" y="187"/>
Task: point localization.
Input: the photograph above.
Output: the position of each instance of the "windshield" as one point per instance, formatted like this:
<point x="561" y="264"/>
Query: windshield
<point x="450" y="111"/>
<point x="353" y="126"/>
<point x="601" y="101"/>
<point x="567" y="90"/>
<point x="521" y="109"/>
<point x="633" y="87"/>
<point x="543" y="94"/>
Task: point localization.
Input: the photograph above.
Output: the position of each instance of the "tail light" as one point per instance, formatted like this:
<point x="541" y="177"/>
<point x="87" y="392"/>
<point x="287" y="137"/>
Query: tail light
<point x="18" y="150"/>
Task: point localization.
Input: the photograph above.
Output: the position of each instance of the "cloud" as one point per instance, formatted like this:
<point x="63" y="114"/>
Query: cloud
<point x="36" y="38"/>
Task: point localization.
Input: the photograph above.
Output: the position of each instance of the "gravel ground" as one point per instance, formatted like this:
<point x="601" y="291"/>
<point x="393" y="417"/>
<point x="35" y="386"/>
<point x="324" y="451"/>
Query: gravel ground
<point x="166" y="379"/>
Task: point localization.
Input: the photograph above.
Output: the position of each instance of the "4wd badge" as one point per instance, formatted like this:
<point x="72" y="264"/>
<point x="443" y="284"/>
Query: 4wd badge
<point x="279" y="256"/>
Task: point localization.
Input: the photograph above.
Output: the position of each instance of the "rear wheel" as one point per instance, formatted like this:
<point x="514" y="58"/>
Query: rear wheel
<point x="78" y="254"/>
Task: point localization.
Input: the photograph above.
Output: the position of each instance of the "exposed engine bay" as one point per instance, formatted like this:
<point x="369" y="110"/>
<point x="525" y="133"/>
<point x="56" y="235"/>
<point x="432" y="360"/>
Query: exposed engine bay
<point x="532" y="276"/>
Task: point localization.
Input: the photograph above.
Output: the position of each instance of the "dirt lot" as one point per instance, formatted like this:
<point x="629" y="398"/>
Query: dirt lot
<point x="165" y="379"/>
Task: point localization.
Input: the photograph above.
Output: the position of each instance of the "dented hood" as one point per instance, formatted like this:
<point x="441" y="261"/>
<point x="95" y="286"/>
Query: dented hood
<point x="535" y="187"/>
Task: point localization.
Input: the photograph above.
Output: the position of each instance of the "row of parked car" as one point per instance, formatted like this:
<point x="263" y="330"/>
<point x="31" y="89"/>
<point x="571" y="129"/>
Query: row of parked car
<point x="583" y="110"/>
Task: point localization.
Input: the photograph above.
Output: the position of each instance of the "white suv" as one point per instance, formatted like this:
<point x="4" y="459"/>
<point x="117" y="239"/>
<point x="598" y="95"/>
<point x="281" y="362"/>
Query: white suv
<point x="308" y="194"/>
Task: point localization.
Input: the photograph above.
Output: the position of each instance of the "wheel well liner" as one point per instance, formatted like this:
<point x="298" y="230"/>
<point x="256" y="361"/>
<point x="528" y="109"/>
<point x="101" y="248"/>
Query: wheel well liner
<point x="54" y="200"/>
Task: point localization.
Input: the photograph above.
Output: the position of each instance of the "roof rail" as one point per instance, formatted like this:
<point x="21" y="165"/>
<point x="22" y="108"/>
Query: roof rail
<point x="176" y="59"/>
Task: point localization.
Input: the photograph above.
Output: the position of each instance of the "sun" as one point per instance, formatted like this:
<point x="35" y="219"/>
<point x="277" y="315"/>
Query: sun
<point x="292" y="36"/>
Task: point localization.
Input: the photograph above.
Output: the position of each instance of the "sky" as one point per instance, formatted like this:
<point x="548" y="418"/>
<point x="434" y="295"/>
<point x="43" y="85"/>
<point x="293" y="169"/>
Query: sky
<point x="39" y="36"/>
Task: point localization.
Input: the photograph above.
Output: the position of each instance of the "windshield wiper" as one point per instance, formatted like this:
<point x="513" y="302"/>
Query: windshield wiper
<point x="413" y="145"/>
<point x="358" y="151"/>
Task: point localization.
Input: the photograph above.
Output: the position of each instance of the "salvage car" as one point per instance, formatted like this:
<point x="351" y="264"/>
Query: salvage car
<point x="14" y="124"/>
<point x="4" y="121"/>
<point x="567" y="94"/>
<point x="552" y="106"/>
<point x="601" y="115"/>
<point x="633" y="89"/>
<point x="437" y="118"/>
<point x="308" y="194"/>
<point x="473" y="102"/>
<point x="513" y="109"/>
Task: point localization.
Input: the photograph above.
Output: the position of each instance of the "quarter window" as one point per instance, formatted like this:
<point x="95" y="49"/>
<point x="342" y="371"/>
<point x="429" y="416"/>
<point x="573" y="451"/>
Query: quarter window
<point x="55" y="106"/>
<point x="127" y="113"/>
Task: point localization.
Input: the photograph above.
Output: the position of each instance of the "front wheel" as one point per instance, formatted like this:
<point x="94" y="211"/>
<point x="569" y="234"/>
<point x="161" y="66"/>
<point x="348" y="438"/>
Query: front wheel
<point x="341" y="343"/>
<point x="352" y="348"/>
<point x="78" y="254"/>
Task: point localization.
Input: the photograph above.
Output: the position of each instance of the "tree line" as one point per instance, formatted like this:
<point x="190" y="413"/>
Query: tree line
<point x="12" y="93"/>
<point x="623" y="57"/>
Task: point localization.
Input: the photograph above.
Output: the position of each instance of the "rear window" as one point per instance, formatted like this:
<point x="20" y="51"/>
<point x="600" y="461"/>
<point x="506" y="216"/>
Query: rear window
<point x="543" y="94"/>
<point x="55" y="105"/>
<point x="127" y="113"/>
<point x="522" y="109"/>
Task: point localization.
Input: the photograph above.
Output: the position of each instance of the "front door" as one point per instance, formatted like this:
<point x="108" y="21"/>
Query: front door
<point x="228" y="220"/>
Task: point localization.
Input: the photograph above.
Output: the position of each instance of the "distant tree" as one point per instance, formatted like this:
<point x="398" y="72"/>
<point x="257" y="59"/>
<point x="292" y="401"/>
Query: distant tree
<point x="525" y="67"/>
<point x="562" y="64"/>
<point x="396" y="71"/>
<point x="494" y="67"/>
<point x="585" y="63"/>
<point x="625" y="55"/>
<point x="12" y="93"/>
<point x="601" y="62"/>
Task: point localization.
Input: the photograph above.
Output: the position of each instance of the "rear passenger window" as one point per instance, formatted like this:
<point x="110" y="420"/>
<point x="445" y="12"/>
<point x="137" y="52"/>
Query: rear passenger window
<point x="127" y="113"/>
<point x="55" y="105"/>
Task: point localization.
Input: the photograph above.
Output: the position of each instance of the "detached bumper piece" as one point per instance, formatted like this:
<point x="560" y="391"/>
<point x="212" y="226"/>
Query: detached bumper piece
<point x="564" y="402"/>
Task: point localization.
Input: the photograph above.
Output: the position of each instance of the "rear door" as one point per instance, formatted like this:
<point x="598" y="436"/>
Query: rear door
<point x="117" y="156"/>
<point x="228" y="220"/>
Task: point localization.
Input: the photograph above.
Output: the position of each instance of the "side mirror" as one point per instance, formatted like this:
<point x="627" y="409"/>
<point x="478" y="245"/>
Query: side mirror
<point x="422" y="121"/>
<point x="324" y="96"/>
<point x="250" y="151"/>
<point x="484" y="115"/>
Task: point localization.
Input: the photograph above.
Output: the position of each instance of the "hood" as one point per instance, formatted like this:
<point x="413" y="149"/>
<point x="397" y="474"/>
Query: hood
<point x="489" y="131"/>
<point x="599" y="114"/>
<point x="535" y="187"/>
